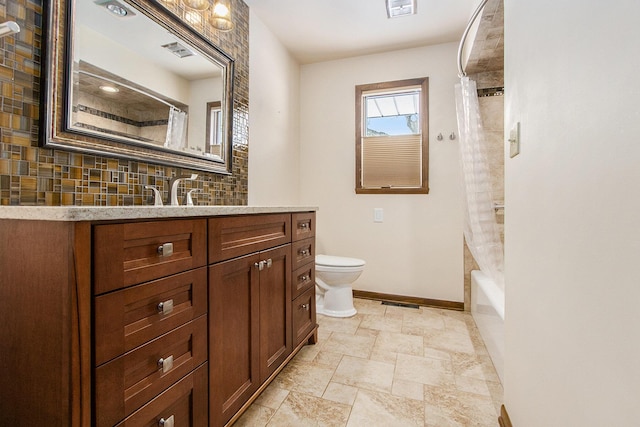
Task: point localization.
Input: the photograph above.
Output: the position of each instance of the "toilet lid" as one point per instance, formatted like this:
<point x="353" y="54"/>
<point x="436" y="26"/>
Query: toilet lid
<point x="338" y="261"/>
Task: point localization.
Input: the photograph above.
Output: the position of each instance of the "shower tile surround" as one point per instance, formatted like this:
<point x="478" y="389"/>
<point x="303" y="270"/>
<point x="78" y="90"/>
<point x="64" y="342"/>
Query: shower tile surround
<point x="30" y="175"/>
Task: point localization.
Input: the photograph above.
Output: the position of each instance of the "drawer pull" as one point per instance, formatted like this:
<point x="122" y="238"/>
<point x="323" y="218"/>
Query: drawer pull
<point x="165" y="249"/>
<point x="305" y="307"/>
<point x="169" y="422"/>
<point x="165" y="307"/>
<point x="304" y="225"/>
<point x="305" y="252"/>
<point x="304" y="278"/>
<point x="165" y="364"/>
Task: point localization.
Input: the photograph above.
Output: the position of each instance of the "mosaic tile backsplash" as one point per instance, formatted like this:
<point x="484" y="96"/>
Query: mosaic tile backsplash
<point x="30" y="175"/>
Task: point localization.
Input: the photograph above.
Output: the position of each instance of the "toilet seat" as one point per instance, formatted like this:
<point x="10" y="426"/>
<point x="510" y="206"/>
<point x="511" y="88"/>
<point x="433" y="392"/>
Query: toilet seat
<point x="338" y="261"/>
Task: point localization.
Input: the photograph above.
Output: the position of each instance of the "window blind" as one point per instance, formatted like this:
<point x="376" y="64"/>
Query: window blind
<point x="392" y="161"/>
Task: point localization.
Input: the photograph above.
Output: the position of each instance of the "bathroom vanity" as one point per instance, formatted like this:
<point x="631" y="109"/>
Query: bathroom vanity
<point x="150" y="316"/>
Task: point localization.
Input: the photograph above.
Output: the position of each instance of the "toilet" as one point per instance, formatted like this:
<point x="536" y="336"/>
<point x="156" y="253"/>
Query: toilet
<point x="334" y="276"/>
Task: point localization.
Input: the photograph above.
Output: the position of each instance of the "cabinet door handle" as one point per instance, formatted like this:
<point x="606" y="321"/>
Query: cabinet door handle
<point x="169" y="422"/>
<point x="260" y="265"/>
<point x="165" y="249"/>
<point x="165" y="307"/>
<point x="165" y="364"/>
<point x="269" y="263"/>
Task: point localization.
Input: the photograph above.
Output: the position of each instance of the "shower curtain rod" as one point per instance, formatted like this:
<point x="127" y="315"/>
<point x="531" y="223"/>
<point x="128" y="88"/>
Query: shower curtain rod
<point x="461" y="72"/>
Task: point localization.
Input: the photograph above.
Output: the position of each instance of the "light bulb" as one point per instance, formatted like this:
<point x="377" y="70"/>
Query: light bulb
<point x="220" y="10"/>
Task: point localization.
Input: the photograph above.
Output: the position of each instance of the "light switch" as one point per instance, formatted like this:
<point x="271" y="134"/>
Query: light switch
<point x="514" y="140"/>
<point x="378" y="215"/>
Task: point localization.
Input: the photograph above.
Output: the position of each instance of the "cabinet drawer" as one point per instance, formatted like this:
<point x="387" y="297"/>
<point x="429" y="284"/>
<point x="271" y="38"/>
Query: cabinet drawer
<point x="303" y="225"/>
<point x="185" y="401"/>
<point x="231" y="237"/>
<point x="304" y="315"/>
<point x="302" y="279"/>
<point x="130" y="317"/>
<point x="125" y="384"/>
<point x="128" y="254"/>
<point x="303" y="252"/>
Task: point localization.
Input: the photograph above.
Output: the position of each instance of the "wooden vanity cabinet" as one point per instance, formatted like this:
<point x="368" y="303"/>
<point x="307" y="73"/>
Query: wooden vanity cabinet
<point x="129" y="322"/>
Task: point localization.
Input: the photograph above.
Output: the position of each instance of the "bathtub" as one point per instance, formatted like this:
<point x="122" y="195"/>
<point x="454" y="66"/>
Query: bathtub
<point x="487" y="309"/>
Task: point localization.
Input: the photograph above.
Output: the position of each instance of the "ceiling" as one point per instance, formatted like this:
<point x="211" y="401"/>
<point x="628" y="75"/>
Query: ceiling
<point x="321" y="30"/>
<point x="139" y="35"/>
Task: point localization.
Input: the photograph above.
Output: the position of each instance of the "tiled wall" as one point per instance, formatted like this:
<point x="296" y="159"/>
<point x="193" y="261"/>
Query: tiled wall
<point x="30" y="175"/>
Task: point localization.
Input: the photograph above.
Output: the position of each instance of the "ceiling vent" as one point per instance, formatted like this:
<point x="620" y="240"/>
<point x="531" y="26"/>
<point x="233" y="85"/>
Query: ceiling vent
<point x="397" y="8"/>
<point x="178" y="50"/>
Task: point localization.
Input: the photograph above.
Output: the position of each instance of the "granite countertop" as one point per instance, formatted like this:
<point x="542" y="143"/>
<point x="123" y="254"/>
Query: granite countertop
<point x="99" y="213"/>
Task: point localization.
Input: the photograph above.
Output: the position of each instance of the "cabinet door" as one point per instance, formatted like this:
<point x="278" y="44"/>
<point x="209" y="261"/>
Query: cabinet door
<point x="275" y="309"/>
<point x="233" y="336"/>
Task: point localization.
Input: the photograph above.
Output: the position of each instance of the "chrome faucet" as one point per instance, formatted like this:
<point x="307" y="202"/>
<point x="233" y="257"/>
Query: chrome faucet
<point x="157" y="196"/>
<point x="173" y="188"/>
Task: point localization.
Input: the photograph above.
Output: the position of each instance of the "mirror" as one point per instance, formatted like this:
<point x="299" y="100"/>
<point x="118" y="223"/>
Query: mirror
<point x="127" y="78"/>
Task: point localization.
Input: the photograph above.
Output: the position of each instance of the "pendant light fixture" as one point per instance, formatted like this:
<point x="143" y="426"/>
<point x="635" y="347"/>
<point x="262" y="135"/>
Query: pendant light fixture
<point x="199" y="5"/>
<point x="216" y="13"/>
<point x="220" y="17"/>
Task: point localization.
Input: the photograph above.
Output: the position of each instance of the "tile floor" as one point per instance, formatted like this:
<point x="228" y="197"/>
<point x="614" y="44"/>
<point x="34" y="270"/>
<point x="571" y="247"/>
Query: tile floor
<point x="386" y="366"/>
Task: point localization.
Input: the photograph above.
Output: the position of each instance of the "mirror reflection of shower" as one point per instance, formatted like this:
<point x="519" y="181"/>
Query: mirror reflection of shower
<point x="111" y="105"/>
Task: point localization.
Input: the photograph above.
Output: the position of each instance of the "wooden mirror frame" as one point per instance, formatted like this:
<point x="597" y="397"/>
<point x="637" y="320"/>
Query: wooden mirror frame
<point x="56" y="75"/>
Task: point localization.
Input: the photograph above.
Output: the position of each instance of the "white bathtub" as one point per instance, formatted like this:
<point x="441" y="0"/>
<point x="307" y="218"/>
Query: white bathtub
<point x="487" y="309"/>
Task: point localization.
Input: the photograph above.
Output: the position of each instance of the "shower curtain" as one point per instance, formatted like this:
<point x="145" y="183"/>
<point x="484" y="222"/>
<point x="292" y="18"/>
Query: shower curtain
<point x="176" y="129"/>
<point x="480" y="227"/>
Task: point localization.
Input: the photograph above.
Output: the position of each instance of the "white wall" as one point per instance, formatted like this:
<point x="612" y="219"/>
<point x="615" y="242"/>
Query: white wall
<point x="273" y="119"/>
<point x="417" y="250"/>
<point x="201" y="92"/>
<point x="572" y="226"/>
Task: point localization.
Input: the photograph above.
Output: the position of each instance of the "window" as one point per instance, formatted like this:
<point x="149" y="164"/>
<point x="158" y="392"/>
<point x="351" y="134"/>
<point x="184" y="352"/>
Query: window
<point x="392" y="137"/>
<point x="214" y="129"/>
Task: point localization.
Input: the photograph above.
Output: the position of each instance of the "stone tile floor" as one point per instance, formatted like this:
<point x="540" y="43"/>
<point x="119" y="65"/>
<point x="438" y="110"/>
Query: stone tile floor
<point x="386" y="366"/>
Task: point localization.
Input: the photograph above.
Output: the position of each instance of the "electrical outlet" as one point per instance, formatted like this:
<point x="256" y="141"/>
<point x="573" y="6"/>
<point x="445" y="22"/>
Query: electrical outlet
<point x="514" y="140"/>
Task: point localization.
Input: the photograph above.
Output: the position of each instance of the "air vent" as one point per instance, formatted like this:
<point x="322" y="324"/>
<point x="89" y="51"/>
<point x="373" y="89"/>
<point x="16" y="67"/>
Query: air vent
<point x="397" y="8"/>
<point x="178" y="50"/>
<point x="400" y="304"/>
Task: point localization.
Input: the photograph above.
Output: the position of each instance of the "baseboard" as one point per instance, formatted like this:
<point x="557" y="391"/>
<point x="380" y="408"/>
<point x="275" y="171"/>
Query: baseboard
<point x="503" y="419"/>
<point x="426" y="302"/>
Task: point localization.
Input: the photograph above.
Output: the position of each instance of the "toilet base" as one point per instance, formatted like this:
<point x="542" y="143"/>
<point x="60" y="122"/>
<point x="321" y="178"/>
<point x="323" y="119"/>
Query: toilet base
<point x="337" y="302"/>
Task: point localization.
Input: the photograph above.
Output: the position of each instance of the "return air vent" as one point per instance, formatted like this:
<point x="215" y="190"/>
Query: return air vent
<point x="396" y="8"/>
<point x="400" y="304"/>
<point x="178" y="50"/>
